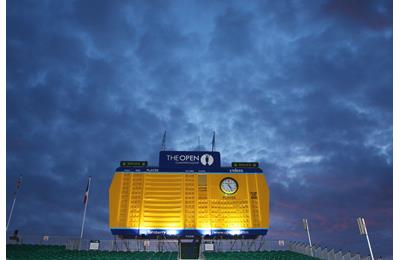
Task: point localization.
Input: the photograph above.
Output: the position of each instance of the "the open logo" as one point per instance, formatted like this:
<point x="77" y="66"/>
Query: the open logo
<point x="206" y="159"/>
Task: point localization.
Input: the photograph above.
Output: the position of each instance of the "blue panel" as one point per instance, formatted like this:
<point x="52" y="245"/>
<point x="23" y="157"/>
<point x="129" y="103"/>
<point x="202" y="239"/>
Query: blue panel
<point x="190" y="160"/>
<point x="169" y="170"/>
<point x="182" y="233"/>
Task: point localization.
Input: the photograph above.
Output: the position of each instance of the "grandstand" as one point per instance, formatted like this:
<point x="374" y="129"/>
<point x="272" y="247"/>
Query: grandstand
<point x="21" y="252"/>
<point x="34" y="247"/>
<point x="45" y="252"/>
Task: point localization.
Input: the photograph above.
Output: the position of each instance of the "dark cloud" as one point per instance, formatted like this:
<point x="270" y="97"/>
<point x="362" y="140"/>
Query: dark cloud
<point x="376" y="15"/>
<point x="233" y="36"/>
<point x="355" y="181"/>
<point x="303" y="87"/>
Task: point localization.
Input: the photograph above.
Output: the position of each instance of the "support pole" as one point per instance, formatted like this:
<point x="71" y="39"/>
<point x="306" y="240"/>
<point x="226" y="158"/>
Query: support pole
<point x="366" y="235"/>
<point x="309" y="241"/>
<point x="305" y="223"/>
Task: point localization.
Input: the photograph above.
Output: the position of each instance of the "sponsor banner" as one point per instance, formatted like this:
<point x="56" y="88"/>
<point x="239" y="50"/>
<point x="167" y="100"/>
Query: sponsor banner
<point x="189" y="160"/>
<point x="245" y="164"/>
<point x="133" y="163"/>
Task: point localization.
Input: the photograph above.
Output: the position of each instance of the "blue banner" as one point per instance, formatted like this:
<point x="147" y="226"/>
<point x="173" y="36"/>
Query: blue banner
<point x="190" y="160"/>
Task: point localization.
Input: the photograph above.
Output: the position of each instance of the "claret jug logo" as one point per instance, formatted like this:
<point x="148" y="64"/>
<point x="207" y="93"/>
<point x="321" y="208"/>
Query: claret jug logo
<point x="206" y="159"/>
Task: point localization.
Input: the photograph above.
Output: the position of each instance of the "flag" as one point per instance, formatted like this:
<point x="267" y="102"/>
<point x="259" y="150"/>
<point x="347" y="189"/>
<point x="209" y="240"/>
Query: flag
<point x="18" y="185"/>
<point x="19" y="182"/>
<point x="86" y="193"/>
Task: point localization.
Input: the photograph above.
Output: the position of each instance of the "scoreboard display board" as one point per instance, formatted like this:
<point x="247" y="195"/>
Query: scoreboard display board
<point x="217" y="202"/>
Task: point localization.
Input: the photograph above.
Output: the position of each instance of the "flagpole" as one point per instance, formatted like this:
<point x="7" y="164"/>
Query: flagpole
<point x="12" y="209"/>
<point x="84" y="212"/>
<point x="15" y="199"/>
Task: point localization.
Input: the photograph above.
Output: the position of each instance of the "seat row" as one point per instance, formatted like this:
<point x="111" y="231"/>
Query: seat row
<point x="26" y="252"/>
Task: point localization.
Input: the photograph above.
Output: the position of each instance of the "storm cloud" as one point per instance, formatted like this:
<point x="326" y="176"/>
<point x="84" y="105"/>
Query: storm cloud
<point x="304" y="87"/>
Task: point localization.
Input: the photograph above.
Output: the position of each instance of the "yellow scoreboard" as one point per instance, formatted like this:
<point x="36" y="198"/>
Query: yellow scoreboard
<point x="182" y="198"/>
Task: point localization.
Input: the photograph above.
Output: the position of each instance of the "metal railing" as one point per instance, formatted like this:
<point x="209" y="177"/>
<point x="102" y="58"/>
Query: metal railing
<point x="39" y="239"/>
<point x="172" y="245"/>
<point x="247" y="245"/>
<point x="126" y="245"/>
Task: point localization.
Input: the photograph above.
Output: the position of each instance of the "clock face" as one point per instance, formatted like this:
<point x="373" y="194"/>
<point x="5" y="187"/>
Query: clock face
<point x="229" y="186"/>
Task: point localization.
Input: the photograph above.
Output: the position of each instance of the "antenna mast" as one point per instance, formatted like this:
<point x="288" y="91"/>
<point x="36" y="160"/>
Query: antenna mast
<point x="163" y="142"/>
<point x="213" y="142"/>
<point x="198" y="142"/>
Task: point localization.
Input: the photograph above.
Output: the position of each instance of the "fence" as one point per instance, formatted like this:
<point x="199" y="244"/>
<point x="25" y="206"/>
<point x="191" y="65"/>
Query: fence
<point x="238" y="245"/>
<point x="246" y="245"/>
<point x="40" y="240"/>
<point x="126" y="245"/>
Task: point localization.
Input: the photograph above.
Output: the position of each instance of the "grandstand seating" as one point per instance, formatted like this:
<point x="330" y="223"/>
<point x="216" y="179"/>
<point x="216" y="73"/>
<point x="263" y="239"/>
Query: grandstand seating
<point x="27" y="252"/>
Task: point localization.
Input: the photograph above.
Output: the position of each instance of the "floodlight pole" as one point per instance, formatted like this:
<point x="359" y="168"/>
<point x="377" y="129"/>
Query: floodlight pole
<point x="305" y="223"/>
<point x="363" y="231"/>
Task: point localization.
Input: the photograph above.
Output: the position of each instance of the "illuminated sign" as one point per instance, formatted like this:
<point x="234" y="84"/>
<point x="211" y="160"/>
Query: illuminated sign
<point x="189" y="160"/>
<point x="133" y="163"/>
<point x="245" y="164"/>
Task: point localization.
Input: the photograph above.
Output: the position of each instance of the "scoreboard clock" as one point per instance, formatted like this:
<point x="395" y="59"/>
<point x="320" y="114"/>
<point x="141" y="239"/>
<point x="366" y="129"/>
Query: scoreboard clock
<point x="229" y="186"/>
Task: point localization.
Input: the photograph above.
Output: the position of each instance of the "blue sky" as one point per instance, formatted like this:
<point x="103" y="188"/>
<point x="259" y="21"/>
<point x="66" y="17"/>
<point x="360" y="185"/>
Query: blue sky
<point x="304" y="87"/>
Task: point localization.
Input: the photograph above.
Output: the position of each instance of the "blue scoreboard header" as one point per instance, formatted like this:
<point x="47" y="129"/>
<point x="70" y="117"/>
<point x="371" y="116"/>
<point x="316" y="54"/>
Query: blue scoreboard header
<point x="190" y="160"/>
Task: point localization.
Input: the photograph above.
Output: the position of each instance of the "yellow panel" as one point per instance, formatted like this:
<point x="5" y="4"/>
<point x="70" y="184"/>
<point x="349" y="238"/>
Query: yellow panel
<point x="185" y="200"/>
<point x="114" y="199"/>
